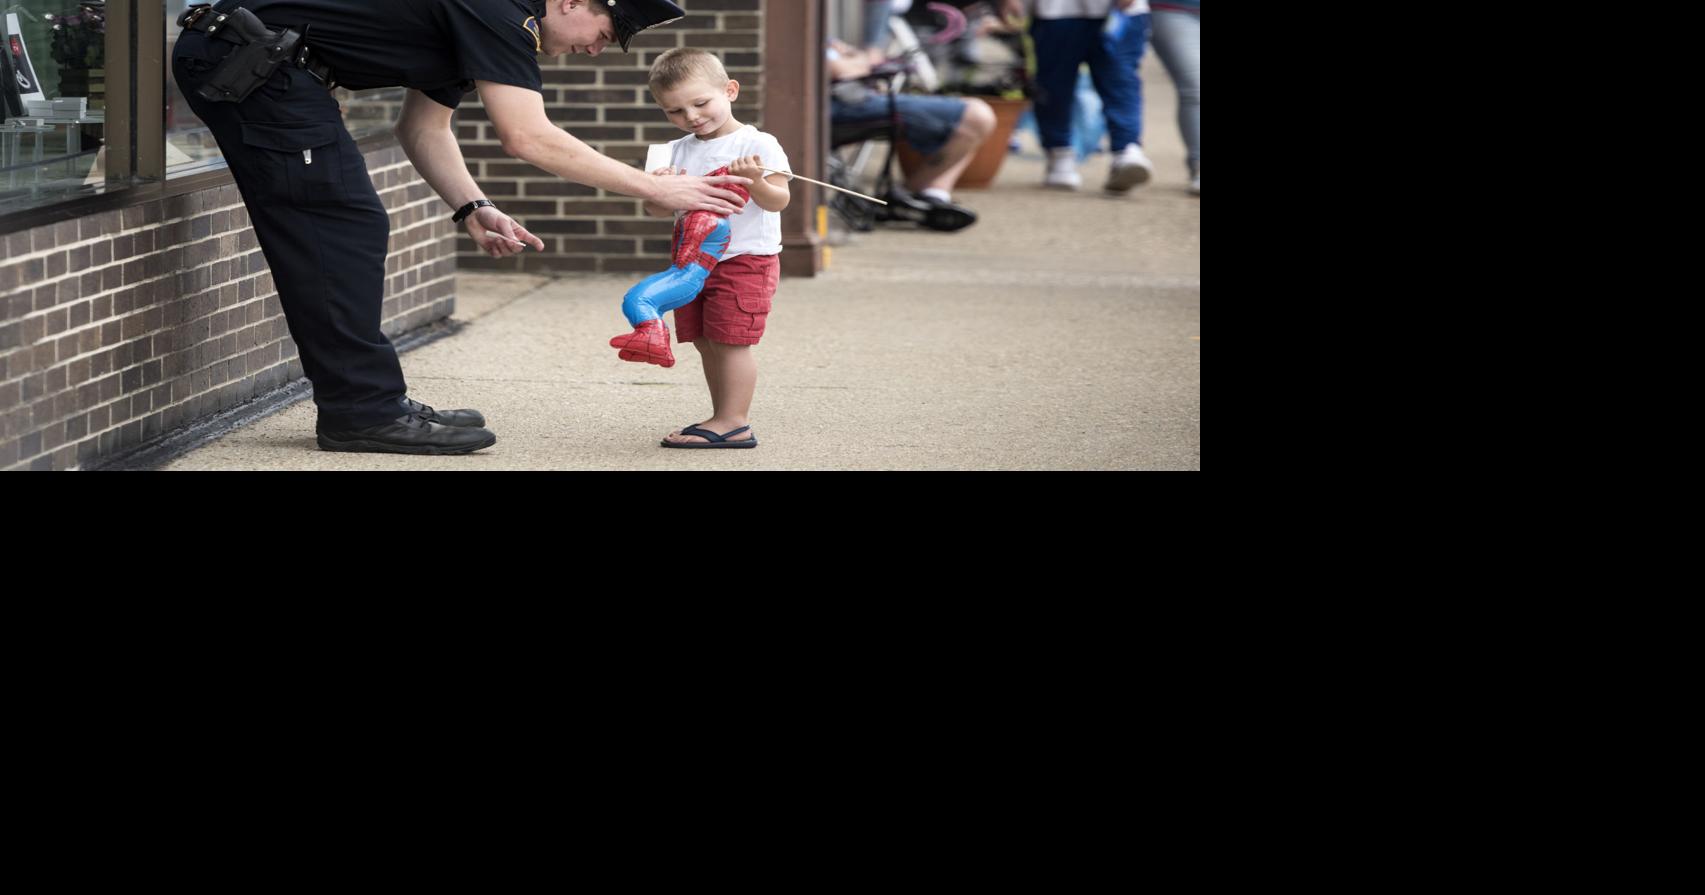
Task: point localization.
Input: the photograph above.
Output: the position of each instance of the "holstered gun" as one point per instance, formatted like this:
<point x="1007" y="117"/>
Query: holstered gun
<point x="256" y="57"/>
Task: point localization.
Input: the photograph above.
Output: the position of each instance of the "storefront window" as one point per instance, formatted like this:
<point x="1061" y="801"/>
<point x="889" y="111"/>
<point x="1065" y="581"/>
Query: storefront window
<point x="53" y="83"/>
<point x="70" y="75"/>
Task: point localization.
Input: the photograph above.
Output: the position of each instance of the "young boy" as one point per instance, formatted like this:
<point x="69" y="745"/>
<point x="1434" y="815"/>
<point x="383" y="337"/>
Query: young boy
<point x="728" y="317"/>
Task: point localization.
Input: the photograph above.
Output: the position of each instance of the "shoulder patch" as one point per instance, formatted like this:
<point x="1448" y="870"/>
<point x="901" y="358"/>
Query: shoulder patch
<point x="532" y="26"/>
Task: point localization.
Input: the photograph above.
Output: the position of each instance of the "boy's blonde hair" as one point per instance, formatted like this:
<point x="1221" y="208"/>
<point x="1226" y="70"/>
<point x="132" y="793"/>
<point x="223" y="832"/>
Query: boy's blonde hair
<point x="683" y="64"/>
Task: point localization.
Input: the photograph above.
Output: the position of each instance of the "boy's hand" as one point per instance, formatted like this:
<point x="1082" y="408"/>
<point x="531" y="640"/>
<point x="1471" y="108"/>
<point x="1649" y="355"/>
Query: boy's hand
<point x="667" y="171"/>
<point x="751" y="167"/>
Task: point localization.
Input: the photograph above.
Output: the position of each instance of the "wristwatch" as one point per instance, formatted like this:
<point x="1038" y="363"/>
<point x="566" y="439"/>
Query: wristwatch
<point x="462" y="213"/>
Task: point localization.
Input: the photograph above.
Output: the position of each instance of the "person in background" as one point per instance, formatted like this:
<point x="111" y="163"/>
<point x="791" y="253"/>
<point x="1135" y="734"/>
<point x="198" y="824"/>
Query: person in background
<point x="945" y="130"/>
<point x="1177" y="39"/>
<point x="1069" y="33"/>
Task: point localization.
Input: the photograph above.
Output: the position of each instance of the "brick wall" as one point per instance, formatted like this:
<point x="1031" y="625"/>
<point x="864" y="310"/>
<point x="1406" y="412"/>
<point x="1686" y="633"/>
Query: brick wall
<point x="604" y="101"/>
<point x="120" y="327"/>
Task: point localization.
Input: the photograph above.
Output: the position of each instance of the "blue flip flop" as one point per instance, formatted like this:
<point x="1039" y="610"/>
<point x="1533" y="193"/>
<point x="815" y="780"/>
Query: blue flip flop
<point x="714" y="440"/>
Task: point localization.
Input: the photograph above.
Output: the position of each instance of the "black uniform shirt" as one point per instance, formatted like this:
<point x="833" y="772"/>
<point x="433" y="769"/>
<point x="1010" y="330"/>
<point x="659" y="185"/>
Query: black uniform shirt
<point x="439" y="47"/>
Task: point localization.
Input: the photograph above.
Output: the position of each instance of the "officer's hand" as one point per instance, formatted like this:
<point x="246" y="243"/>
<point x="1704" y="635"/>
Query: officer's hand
<point x="700" y="194"/>
<point x="488" y="226"/>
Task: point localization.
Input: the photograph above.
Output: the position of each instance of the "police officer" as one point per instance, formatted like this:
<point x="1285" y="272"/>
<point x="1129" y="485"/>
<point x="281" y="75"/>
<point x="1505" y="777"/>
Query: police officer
<point x="258" y="73"/>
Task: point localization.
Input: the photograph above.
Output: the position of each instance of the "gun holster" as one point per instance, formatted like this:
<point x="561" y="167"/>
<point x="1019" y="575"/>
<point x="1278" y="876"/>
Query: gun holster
<point x="259" y="52"/>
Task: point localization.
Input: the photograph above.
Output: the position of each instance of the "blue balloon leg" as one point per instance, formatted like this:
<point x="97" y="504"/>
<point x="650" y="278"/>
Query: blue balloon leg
<point x="663" y="292"/>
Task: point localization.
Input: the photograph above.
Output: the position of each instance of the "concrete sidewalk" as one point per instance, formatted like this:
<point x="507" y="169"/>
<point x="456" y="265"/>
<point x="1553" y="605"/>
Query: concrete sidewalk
<point x="1060" y="332"/>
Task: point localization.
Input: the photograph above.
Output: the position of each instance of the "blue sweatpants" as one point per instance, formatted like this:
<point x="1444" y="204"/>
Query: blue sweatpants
<point x="1062" y="45"/>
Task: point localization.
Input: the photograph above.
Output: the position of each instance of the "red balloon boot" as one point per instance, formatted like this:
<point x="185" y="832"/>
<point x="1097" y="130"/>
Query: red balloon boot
<point x="649" y="342"/>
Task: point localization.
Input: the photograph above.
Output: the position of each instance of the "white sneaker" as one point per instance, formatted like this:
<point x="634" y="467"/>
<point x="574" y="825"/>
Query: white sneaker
<point x="1062" y="169"/>
<point x="1196" y="182"/>
<point x="1130" y="168"/>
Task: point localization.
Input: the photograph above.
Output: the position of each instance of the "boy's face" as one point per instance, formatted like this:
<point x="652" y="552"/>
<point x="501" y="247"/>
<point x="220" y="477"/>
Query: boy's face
<point x="574" y="26"/>
<point x="701" y="108"/>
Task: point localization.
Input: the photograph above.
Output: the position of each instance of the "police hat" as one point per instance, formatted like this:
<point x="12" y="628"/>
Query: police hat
<point x="633" y="16"/>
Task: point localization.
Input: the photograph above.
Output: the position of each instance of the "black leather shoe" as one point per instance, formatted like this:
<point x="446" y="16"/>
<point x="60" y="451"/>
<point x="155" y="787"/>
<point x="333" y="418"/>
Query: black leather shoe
<point x="444" y="417"/>
<point x="947" y="216"/>
<point x="925" y="211"/>
<point x="411" y="434"/>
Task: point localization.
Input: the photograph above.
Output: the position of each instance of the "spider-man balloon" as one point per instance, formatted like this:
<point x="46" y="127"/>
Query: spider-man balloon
<point x="701" y="237"/>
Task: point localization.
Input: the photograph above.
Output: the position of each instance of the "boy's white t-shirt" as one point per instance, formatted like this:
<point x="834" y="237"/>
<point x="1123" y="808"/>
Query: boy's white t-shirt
<point x="754" y="230"/>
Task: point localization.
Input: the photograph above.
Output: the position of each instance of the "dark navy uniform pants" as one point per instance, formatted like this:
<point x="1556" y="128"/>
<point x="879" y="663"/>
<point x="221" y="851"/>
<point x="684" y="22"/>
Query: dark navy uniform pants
<point x="320" y="224"/>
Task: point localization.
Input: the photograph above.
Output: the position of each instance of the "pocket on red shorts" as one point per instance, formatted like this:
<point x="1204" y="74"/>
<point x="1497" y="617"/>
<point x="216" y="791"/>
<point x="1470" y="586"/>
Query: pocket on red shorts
<point x="758" y="289"/>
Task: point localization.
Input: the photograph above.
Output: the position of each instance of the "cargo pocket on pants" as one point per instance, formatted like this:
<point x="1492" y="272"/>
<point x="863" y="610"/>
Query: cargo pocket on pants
<point x="297" y="163"/>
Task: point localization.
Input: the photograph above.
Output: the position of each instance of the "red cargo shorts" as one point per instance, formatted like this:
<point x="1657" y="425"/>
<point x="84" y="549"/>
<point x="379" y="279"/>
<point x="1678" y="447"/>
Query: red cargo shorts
<point x="734" y="304"/>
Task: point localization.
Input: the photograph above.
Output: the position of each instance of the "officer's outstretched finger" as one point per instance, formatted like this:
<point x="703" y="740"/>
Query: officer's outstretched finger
<point x="528" y="238"/>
